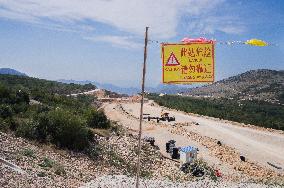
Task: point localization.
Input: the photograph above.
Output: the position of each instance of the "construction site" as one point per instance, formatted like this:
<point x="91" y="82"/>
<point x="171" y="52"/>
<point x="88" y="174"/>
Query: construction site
<point x="178" y="149"/>
<point x="144" y="94"/>
<point x="234" y="150"/>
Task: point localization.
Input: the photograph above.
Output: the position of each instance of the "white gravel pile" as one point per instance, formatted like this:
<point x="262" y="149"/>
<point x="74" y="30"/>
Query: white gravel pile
<point x="122" y="181"/>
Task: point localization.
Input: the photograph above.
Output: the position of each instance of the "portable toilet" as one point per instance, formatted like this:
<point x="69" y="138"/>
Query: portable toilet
<point x="171" y="146"/>
<point x="188" y="154"/>
<point x="175" y="154"/>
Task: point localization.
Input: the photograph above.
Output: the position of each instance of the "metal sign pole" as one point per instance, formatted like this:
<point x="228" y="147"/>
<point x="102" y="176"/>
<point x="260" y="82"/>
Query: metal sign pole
<point x="141" y="109"/>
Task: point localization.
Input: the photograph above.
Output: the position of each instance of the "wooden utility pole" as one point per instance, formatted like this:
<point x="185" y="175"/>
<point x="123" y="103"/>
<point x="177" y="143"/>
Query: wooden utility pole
<point x="141" y="109"/>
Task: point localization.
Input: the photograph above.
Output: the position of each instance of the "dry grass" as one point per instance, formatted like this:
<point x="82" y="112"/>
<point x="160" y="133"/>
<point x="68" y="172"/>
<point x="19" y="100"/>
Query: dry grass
<point x="102" y="132"/>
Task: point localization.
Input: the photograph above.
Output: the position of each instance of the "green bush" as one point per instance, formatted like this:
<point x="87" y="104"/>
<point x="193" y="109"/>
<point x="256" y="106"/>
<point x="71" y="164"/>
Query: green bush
<point x="63" y="129"/>
<point x="26" y="129"/>
<point x="97" y="119"/>
<point x="8" y="124"/>
<point x="13" y="123"/>
<point x="94" y="151"/>
<point x="22" y="96"/>
<point x="4" y="126"/>
<point x="43" y="130"/>
<point x="5" y="94"/>
<point x="6" y="111"/>
<point x="20" y="107"/>
<point x="47" y="163"/>
<point x="28" y="152"/>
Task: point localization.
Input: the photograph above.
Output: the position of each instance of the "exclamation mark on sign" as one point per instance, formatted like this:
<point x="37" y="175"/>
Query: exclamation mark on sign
<point x="172" y="61"/>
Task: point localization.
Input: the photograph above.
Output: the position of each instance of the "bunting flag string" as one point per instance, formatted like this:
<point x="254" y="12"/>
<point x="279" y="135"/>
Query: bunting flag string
<point x="251" y="42"/>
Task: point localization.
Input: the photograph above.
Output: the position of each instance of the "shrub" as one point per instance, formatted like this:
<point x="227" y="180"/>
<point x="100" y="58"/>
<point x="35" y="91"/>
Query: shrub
<point x="47" y="163"/>
<point x="5" y="94"/>
<point x="4" y="126"/>
<point x="94" y="151"/>
<point x="59" y="170"/>
<point x="5" y="111"/>
<point x="42" y="132"/>
<point x="64" y="129"/>
<point x="28" y="152"/>
<point x="22" y="96"/>
<point x="8" y="124"/>
<point x="20" y="107"/>
<point x="13" y="123"/>
<point x="97" y="119"/>
<point x="26" y="130"/>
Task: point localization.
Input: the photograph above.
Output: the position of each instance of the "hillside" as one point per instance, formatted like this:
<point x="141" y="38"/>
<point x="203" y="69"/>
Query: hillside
<point x="66" y="142"/>
<point x="56" y="140"/>
<point x="36" y="109"/>
<point x="262" y="84"/>
<point x="260" y="113"/>
<point x="43" y="86"/>
<point x="11" y="72"/>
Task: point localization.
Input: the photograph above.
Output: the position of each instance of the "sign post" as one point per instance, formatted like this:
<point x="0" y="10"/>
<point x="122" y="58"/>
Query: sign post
<point x="141" y="109"/>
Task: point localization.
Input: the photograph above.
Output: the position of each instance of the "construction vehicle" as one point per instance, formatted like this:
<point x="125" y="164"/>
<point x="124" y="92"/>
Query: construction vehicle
<point x="148" y="117"/>
<point x="164" y="117"/>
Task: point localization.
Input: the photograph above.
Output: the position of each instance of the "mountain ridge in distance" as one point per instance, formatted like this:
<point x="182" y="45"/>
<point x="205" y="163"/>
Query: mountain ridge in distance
<point x="161" y="88"/>
<point x="11" y="72"/>
<point x="260" y="84"/>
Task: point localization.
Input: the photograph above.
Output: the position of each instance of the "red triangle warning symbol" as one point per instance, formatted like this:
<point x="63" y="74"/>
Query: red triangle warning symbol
<point x="172" y="61"/>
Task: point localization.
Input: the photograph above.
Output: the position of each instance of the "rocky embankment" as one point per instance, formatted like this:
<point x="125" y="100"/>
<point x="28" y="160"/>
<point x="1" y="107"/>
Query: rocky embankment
<point x="121" y="181"/>
<point x="46" y="166"/>
<point x="110" y="163"/>
<point x="43" y="165"/>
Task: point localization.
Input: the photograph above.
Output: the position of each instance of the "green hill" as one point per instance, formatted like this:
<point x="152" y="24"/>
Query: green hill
<point x="46" y="86"/>
<point x="42" y="110"/>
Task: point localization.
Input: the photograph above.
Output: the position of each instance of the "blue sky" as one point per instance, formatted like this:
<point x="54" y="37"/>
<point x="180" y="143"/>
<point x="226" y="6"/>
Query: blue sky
<point x="102" y="40"/>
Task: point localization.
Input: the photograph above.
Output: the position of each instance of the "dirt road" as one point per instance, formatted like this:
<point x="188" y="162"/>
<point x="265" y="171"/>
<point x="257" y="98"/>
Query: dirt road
<point x="258" y="146"/>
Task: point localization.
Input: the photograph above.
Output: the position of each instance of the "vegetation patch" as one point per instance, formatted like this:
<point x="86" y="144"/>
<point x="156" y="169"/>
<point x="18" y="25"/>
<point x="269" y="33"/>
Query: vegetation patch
<point x="97" y="119"/>
<point x="28" y="152"/>
<point x="47" y="163"/>
<point x="102" y="132"/>
<point x="258" y="113"/>
<point x="43" y="110"/>
<point x="59" y="170"/>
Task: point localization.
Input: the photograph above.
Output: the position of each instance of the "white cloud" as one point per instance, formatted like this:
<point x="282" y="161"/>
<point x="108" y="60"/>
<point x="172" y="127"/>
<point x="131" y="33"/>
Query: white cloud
<point x="233" y="29"/>
<point x="211" y="23"/>
<point x="119" y="41"/>
<point x="162" y="16"/>
<point x="16" y="15"/>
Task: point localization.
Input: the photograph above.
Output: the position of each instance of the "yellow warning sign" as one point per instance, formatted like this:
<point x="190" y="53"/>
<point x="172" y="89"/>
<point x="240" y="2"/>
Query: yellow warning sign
<point x="188" y="63"/>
